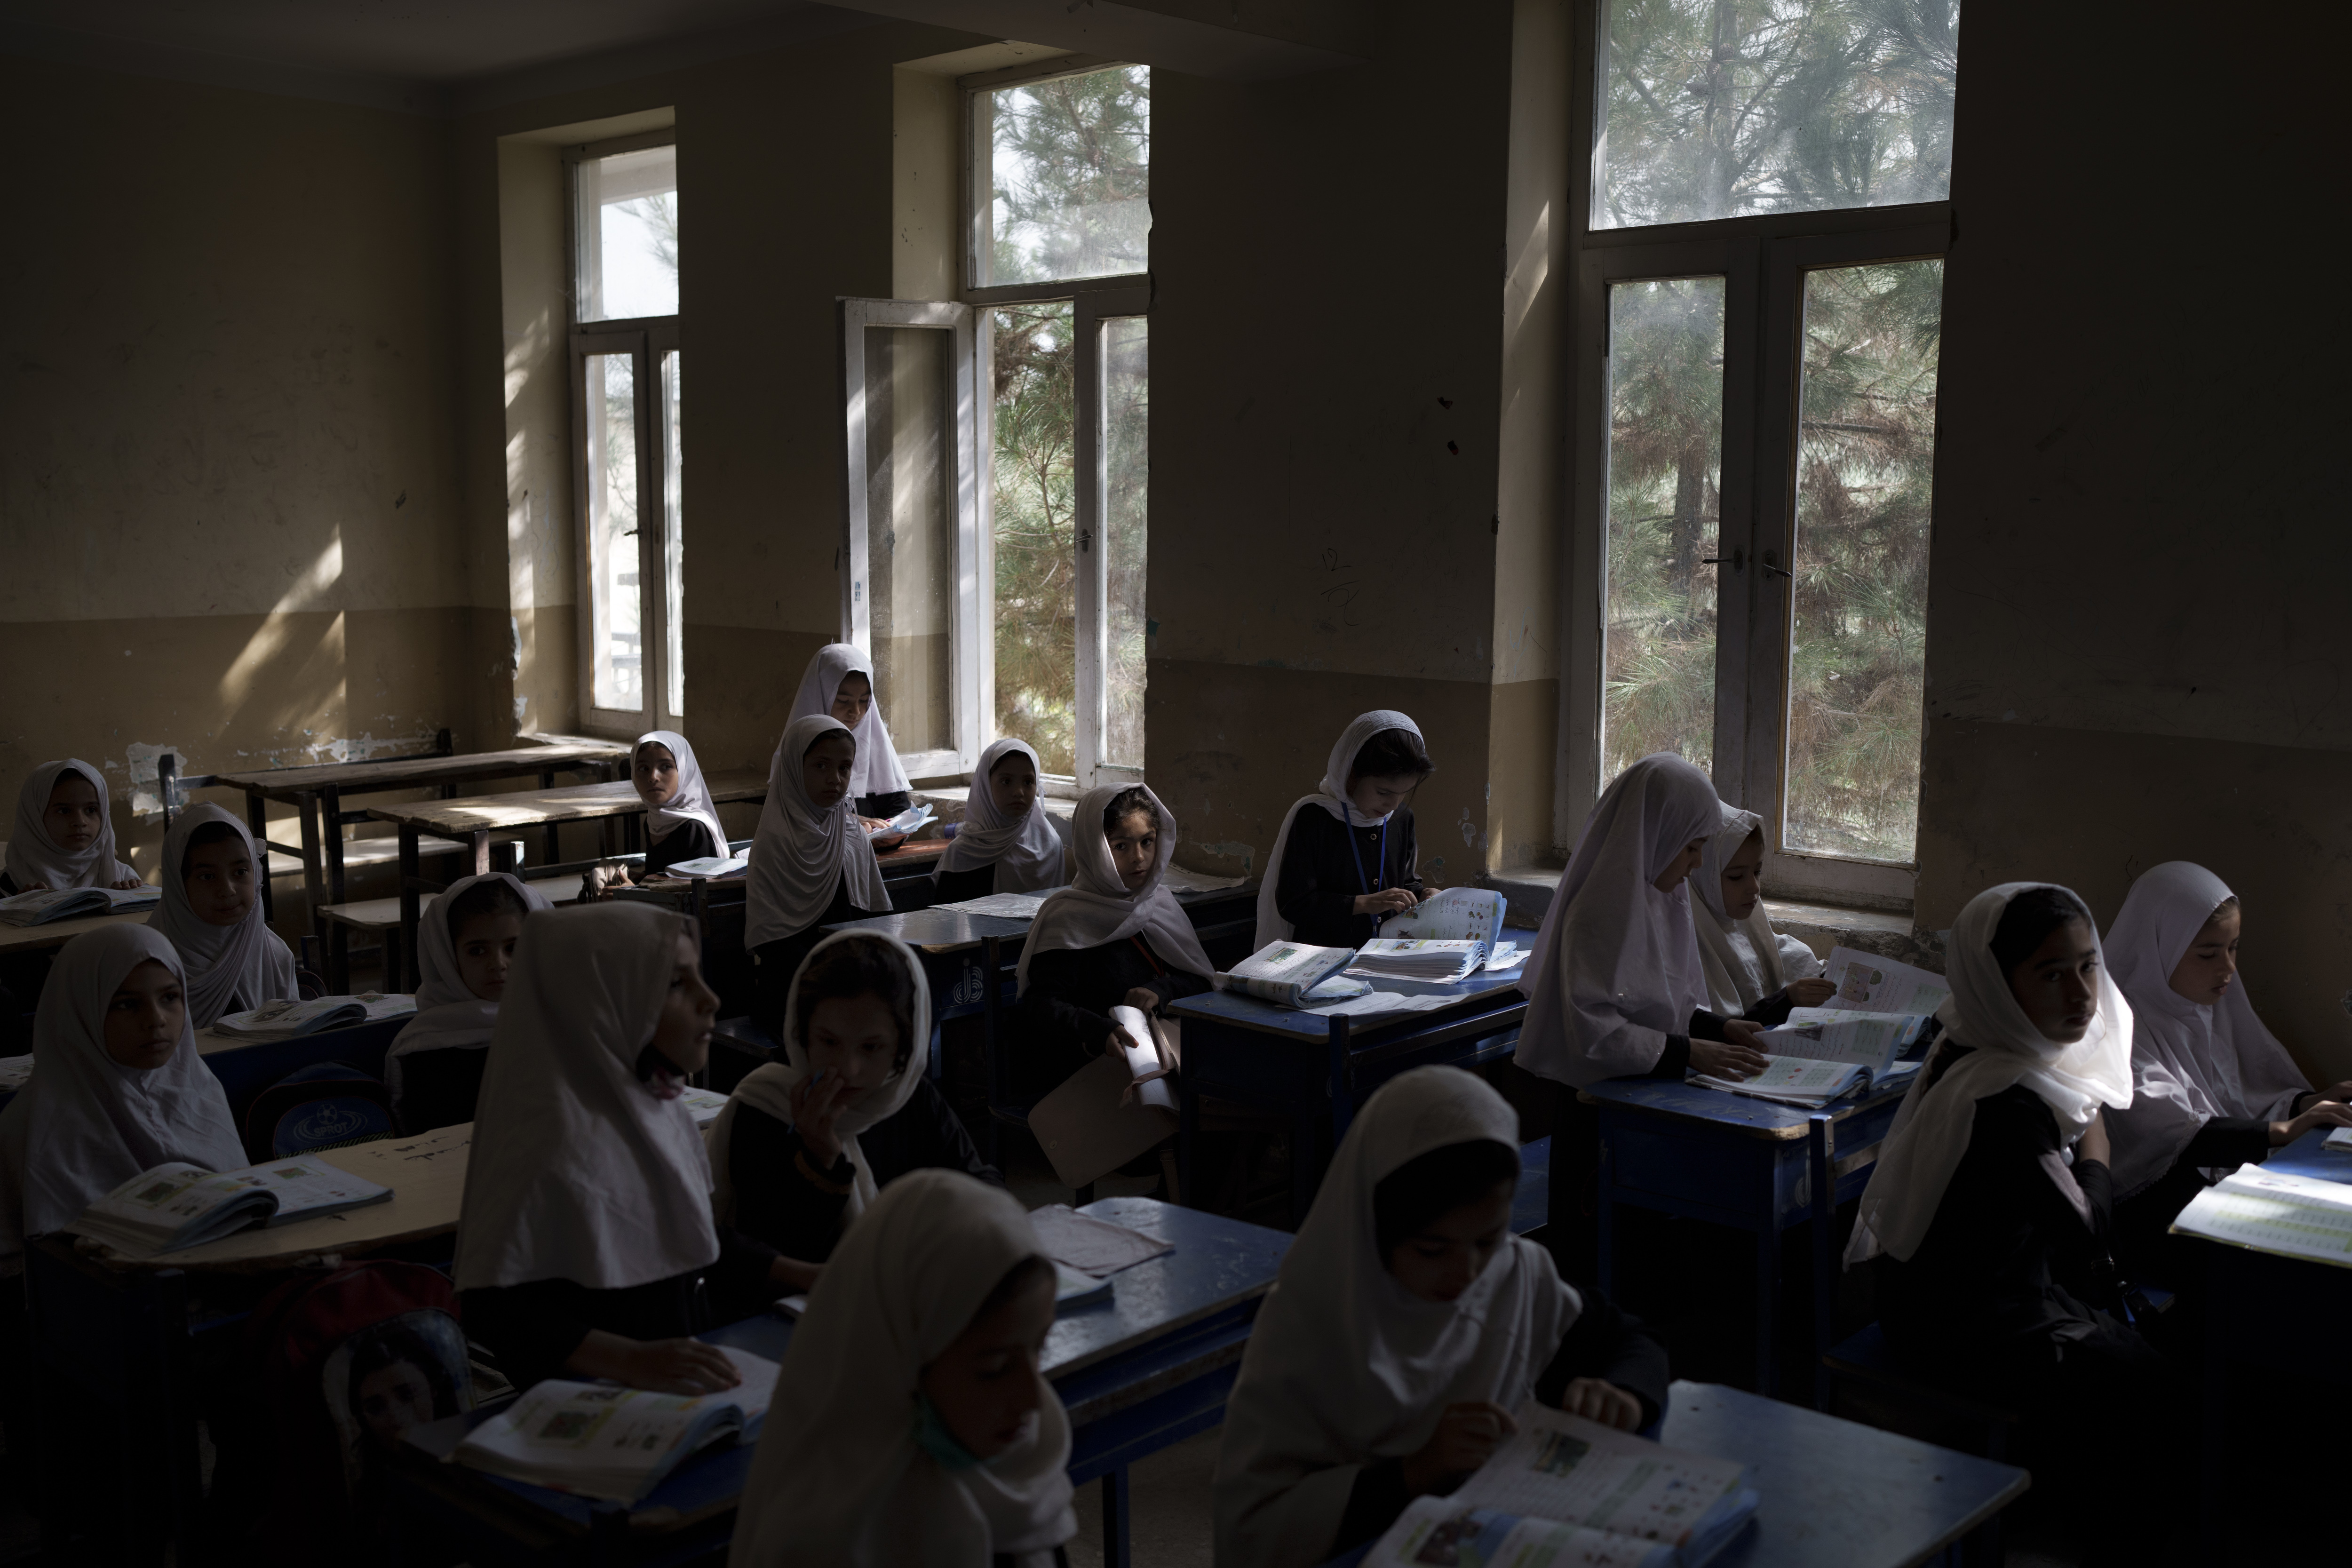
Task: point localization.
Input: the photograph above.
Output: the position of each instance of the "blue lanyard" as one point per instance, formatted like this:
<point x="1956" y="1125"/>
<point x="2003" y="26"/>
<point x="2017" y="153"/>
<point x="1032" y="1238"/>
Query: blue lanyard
<point x="1349" y="818"/>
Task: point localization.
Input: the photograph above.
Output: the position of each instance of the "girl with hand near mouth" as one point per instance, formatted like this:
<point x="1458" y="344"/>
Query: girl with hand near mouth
<point x="1408" y="1324"/>
<point x="586" y="1233"/>
<point x="803" y="1146"/>
<point x="811" y="864"/>
<point x="64" y="836"/>
<point x="466" y="948"/>
<point x="1008" y="843"/>
<point x="212" y="913"/>
<point x="1753" y="972"/>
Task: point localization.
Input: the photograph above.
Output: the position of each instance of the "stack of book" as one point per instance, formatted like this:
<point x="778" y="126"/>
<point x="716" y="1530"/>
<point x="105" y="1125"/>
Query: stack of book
<point x="1432" y="962"/>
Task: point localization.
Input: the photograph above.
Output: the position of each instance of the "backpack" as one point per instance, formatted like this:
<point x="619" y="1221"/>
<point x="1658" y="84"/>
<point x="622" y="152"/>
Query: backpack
<point x="325" y="1106"/>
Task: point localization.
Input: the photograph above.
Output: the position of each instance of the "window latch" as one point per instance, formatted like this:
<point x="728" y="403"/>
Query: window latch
<point x="1738" y="559"/>
<point x="1769" y="566"/>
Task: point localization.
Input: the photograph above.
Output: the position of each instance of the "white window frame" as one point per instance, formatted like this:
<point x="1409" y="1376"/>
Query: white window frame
<point x="1763" y="260"/>
<point x="646" y="339"/>
<point x="972" y="648"/>
<point x="1095" y="309"/>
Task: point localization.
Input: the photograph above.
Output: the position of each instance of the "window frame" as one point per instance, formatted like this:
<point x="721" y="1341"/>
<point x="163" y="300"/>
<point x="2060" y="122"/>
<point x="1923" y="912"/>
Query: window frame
<point x="646" y="339"/>
<point x="1096" y="310"/>
<point x="1763" y="259"/>
<point x="979" y="187"/>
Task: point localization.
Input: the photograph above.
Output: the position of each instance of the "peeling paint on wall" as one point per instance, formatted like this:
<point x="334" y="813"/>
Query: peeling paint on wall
<point x="1244" y="853"/>
<point x="139" y="766"/>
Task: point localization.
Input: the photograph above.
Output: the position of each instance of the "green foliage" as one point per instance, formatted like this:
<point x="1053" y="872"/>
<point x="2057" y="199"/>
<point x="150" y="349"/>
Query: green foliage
<point x="1036" y="494"/>
<point x="1072" y="176"/>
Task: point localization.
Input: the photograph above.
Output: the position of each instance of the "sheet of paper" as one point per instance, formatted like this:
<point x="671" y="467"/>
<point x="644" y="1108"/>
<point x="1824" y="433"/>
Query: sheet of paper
<point x="1004" y="906"/>
<point x="15" y="1072"/>
<point x="1092" y="1245"/>
<point x="1439" y="1532"/>
<point x="1868" y="983"/>
<point x="1383" y="1002"/>
<point x="2275" y="1212"/>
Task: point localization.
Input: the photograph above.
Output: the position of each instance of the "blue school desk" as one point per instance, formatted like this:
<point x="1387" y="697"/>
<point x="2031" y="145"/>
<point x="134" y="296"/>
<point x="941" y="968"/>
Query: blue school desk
<point x="1317" y="1070"/>
<point x="1831" y="1493"/>
<point x="244" y="1069"/>
<point x="1147" y="1368"/>
<point x="1754" y="1165"/>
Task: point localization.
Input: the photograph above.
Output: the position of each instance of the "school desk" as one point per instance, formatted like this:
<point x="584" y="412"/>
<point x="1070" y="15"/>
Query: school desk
<point x="475" y="820"/>
<point x="1753" y="1164"/>
<point x="317" y="795"/>
<point x="1317" y="1069"/>
<point x="245" y="1067"/>
<point x="56" y="934"/>
<point x="1148" y="1368"/>
<point x="1831" y="1493"/>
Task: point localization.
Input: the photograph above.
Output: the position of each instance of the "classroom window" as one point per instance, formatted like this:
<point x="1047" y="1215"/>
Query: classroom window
<point x="1125" y="470"/>
<point x="1033" y="482"/>
<point x="1758" y="318"/>
<point x="629" y="470"/>
<point x="1062" y="178"/>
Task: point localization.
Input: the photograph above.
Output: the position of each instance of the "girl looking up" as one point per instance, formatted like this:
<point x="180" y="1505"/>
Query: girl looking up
<point x="811" y="865"/>
<point x="1752" y="971"/>
<point x="1346" y="856"/>
<point x="681" y="823"/>
<point x="840" y="682"/>
<point x="64" y="836"/>
<point x="465" y="947"/>
<point x="211" y="912"/>
<point x="1008" y="843"/>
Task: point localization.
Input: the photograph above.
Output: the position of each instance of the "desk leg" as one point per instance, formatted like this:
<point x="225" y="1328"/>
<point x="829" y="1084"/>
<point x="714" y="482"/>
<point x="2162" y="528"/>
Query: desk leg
<point x="1188" y="1130"/>
<point x="992" y="1040"/>
<point x="1604" y="1209"/>
<point x="409" y="872"/>
<point x="551" y="837"/>
<point x="330" y="827"/>
<point x="313" y="889"/>
<point x="2214" y="1516"/>
<point x="481" y="861"/>
<point x="339" y="958"/>
<point x="1824" y="1228"/>
<point x="1114" y="1519"/>
<point x="257" y="817"/>
<point x="1768" y="1277"/>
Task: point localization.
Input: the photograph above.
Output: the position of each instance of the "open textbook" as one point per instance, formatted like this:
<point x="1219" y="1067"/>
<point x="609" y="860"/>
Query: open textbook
<point x="2271" y="1211"/>
<point x="711" y="868"/>
<point x="1285" y="973"/>
<point x="1868" y="984"/>
<point x="1456" y="915"/>
<point x="288" y="1018"/>
<point x="1002" y="906"/>
<point x="46" y="904"/>
<point x="1822" y="1054"/>
<point x="1567" y="1491"/>
<point x="176" y="1205"/>
<point x="602" y="1440"/>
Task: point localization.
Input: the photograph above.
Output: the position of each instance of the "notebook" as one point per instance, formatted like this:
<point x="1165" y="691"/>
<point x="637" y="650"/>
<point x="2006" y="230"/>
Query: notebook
<point x="176" y="1205"/>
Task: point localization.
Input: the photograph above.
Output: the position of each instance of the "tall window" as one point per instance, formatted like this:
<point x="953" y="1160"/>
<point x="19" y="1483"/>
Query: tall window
<point x="1760" y="292"/>
<point x="628" y="469"/>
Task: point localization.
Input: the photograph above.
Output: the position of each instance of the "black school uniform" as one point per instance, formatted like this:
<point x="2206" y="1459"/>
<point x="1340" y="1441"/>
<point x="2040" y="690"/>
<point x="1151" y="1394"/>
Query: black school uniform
<point x="783" y="1198"/>
<point x="439" y="1088"/>
<point x="1066" y="1012"/>
<point x="955" y="886"/>
<point x="687" y="841"/>
<point x="775" y="962"/>
<point x="1326" y="865"/>
<point x="1603" y="1342"/>
<point x="885" y="805"/>
<point x="2145" y="1250"/>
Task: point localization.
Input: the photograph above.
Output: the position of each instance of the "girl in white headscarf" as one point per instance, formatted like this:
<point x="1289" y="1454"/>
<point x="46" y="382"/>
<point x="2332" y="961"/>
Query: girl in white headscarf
<point x="465" y="947"/>
<point x="2212" y="1088"/>
<point x="811" y="865"/>
<point x="1115" y="936"/>
<point x="681" y="823"/>
<point x="839" y="682"/>
<point x="1408" y="1323"/>
<point x="1752" y="971"/>
<point x="919" y="1432"/>
<point x="64" y="836"/>
<point x="1346" y="856"/>
<point x="587" y="1227"/>
<point x="1007" y="843"/>
<point x="211" y="910"/>
<point x="803" y="1146"/>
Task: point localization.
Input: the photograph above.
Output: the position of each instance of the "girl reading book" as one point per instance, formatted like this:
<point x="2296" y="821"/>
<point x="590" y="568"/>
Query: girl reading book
<point x="64" y="836"/>
<point x="1007" y="843"/>
<point x="465" y="947"/>
<point x="585" y="1233"/>
<point x="1408" y="1324"/>
<point x="839" y="682"/>
<point x="120" y="1088"/>
<point x="919" y="1428"/>
<point x="1114" y="937"/>
<point x="1752" y="971"/>
<point x="1345" y="856"/>
<point x="811" y="865"/>
<point x="2212" y="1088"/>
<point x="681" y="823"/>
<point x="211" y="910"/>
<point x="804" y="1145"/>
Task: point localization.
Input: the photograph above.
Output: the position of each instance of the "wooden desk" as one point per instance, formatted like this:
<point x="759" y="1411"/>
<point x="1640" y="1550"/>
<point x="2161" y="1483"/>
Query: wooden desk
<point x="56" y="934"/>
<point x="1148" y="1368"/>
<point x="1317" y="1069"/>
<point x="317" y="795"/>
<point x="1749" y="1163"/>
<point x="475" y="819"/>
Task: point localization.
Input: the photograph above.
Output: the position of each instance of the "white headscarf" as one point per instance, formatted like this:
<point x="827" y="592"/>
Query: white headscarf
<point x="877" y="771"/>
<point x="1931" y="1131"/>
<point x="1096" y="909"/>
<point x="244" y="964"/>
<point x="2189" y="1063"/>
<point x="1331" y="797"/>
<point x="1025" y="850"/>
<point x="1346" y="1366"/>
<point x="801" y="854"/>
<point x="579" y="1170"/>
<point x="85" y="1124"/>
<point x="1615" y="968"/>
<point x="1732" y="987"/>
<point x="691" y="802"/>
<point x="448" y="1017"/>
<point x="839" y="1481"/>
<point x="34" y="856"/>
<point x="769" y="1088"/>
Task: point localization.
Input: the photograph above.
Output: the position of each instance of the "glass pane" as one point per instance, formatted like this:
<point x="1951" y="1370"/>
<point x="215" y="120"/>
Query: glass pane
<point x="1036" y="506"/>
<point x="1127" y="483"/>
<point x="1866" y="465"/>
<point x="617" y="651"/>
<point x="1068" y="164"/>
<point x="1665" y="462"/>
<point x="1716" y="107"/>
<point x="673" y="536"/>
<point x="910" y="531"/>
<point x="628" y="234"/>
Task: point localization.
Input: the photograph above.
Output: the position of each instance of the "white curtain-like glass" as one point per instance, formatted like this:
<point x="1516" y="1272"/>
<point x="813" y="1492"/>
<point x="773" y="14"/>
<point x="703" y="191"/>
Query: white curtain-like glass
<point x="616" y="608"/>
<point x="910" y="531"/>
<point x="1127" y="487"/>
<point x="673" y="538"/>
<point x="1067" y="168"/>
<point x="627" y="226"/>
